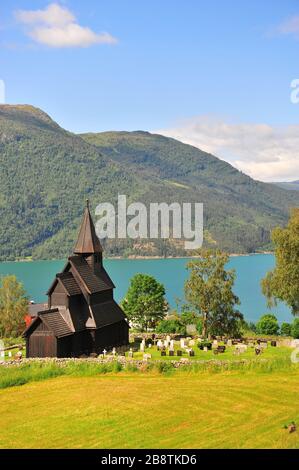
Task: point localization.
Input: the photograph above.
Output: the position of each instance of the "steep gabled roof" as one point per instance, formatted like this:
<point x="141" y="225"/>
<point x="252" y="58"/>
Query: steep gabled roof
<point x="88" y="241"/>
<point x="101" y="272"/>
<point x="107" y="313"/>
<point x="69" y="283"/>
<point x="86" y="276"/>
<point x="54" y="321"/>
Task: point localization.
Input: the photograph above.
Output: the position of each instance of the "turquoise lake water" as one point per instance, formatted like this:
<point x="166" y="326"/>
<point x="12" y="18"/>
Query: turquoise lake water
<point x="38" y="275"/>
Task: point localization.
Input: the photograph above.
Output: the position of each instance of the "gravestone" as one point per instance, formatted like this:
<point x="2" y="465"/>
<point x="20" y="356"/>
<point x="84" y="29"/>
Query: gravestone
<point x="171" y="352"/>
<point x="273" y="343"/>
<point x="163" y="353"/>
<point x="179" y="352"/>
<point x="191" y="353"/>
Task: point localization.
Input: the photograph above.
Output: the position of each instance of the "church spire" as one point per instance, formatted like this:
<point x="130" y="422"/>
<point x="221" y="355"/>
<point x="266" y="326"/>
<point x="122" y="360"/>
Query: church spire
<point x="88" y="242"/>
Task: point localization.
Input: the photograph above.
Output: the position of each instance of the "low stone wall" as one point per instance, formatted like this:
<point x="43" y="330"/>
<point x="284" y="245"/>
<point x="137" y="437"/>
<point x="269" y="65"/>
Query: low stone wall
<point x="149" y="336"/>
<point x="140" y="364"/>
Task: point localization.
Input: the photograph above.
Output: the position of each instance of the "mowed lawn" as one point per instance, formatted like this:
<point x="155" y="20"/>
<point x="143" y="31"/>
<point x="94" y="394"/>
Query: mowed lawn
<point x="150" y="410"/>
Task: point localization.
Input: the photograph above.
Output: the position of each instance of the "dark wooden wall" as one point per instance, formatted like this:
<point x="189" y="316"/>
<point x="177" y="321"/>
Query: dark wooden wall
<point x="58" y="296"/>
<point x="111" y="336"/>
<point x="42" y="343"/>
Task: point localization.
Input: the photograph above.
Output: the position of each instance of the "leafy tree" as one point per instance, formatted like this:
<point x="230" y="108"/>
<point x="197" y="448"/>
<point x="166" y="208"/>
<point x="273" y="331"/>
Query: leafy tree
<point x="209" y="291"/>
<point x="282" y="283"/>
<point x="145" y="303"/>
<point x="13" y="307"/>
<point x="268" y="325"/>
<point x="199" y="326"/>
<point x="252" y="326"/>
<point x="171" y="326"/>
<point x="189" y="318"/>
<point x="286" y="329"/>
<point x="295" y="328"/>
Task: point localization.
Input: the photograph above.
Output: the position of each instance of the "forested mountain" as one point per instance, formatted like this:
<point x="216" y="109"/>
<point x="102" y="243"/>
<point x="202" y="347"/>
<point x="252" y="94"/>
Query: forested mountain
<point x="47" y="173"/>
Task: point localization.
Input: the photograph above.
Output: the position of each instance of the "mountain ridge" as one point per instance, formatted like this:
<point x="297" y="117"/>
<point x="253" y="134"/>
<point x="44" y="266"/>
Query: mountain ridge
<point x="48" y="172"/>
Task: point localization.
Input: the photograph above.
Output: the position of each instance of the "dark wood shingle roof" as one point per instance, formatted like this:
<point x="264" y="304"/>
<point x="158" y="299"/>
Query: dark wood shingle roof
<point x="88" y="241"/>
<point x="69" y="283"/>
<point x="92" y="282"/>
<point x="107" y="313"/>
<point x="56" y="323"/>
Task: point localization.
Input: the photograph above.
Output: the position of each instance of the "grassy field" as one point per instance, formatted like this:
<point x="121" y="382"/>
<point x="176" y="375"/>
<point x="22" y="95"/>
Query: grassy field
<point x="231" y="409"/>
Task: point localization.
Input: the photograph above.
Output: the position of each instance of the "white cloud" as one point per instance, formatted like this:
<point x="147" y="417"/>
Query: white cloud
<point x="264" y="152"/>
<point x="290" y="26"/>
<point x="56" y="26"/>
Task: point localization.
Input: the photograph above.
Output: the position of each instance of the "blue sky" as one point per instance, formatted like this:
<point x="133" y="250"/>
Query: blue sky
<point x="174" y="66"/>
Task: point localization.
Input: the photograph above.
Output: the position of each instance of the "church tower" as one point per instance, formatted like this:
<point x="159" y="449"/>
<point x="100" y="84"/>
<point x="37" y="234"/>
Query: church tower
<point x="88" y="245"/>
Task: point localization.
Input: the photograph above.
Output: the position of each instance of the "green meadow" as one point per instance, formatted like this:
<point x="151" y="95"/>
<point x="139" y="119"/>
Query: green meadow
<point x="212" y="404"/>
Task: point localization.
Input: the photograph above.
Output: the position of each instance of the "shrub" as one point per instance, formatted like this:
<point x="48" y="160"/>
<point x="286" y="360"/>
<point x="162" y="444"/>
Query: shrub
<point x="205" y="344"/>
<point x="268" y="325"/>
<point x="165" y="367"/>
<point x="295" y="328"/>
<point x="252" y="326"/>
<point x="117" y="367"/>
<point x="171" y="326"/>
<point x="286" y="329"/>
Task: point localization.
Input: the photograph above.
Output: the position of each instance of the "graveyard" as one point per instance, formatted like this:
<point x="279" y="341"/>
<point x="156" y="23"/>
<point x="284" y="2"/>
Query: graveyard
<point x="196" y="349"/>
<point x="183" y="349"/>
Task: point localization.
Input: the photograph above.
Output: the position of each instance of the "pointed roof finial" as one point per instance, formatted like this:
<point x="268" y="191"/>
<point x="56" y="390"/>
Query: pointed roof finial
<point x="88" y="241"/>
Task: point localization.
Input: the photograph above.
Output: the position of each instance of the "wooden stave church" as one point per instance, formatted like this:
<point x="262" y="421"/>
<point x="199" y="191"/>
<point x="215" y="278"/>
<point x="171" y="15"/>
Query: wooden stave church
<point x="82" y="317"/>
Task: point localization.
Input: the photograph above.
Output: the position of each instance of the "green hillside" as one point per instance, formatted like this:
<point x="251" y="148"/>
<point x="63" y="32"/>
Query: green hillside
<point x="239" y="212"/>
<point x="47" y="173"/>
